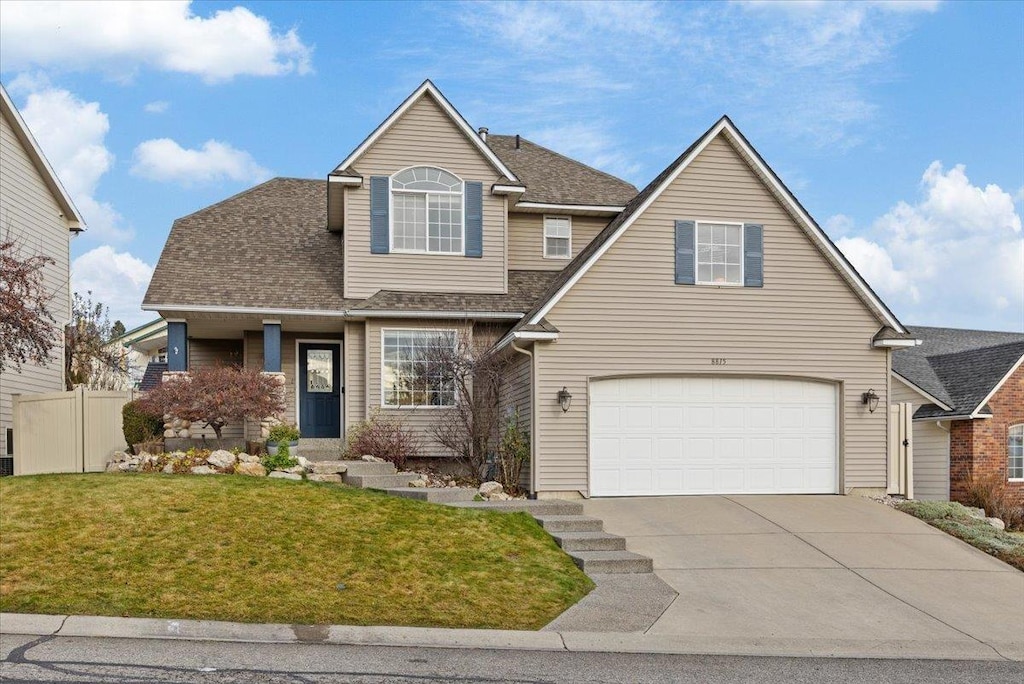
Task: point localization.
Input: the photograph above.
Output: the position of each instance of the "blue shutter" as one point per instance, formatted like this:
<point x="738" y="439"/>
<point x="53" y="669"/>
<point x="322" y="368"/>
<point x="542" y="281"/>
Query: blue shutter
<point x="379" y="203"/>
<point x="474" y="219"/>
<point x="686" y="270"/>
<point x="753" y="255"/>
<point x="272" y="347"/>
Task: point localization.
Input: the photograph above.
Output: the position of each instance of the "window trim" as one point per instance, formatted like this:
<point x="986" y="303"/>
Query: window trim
<point x="1009" y="429"/>
<point x="696" y="258"/>
<point x="409" y="407"/>
<point x="544" y="237"/>
<point x="391" y="212"/>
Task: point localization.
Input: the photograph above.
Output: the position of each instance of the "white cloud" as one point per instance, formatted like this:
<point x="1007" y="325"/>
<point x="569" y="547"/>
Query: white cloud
<point x="72" y="133"/>
<point x="165" y="160"/>
<point x="121" y="37"/>
<point x="591" y="144"/>
<point x="955" y="257"/>
<point x="117" y="279"/>
<point x="156" y="107"/>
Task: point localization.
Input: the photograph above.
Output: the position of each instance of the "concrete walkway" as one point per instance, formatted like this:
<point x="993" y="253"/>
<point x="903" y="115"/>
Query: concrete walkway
<point x="796" y="569"/>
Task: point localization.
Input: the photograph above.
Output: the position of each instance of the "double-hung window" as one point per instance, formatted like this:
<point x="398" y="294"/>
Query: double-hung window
<point x="719" y="254"/>
<point x="413" y="367"/>
<point x="557" y="237"/>
<point x="428" y="211"/>
<point x="1015" y="453"/>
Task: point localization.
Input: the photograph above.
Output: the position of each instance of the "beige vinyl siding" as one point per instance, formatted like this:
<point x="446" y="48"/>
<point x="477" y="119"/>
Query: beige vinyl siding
<point x="31" y="215"/>
<point x="931" y="448"/>
<point x="355" y="373"/>
<point x="423" y="136"/>
<point x="516" y="390"/>
<point x="205" y="353"/>
<point x="526" y="240"/>
<point x="627" y="317"/>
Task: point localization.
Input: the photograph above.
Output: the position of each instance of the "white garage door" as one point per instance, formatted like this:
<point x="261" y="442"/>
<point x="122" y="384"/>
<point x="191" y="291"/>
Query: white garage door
<point x="660" y="436"/>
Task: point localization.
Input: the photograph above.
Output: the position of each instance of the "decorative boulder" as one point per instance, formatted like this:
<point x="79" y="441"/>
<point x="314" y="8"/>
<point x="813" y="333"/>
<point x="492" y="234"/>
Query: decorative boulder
<point x="221" y="459"/>
<point x="169" y="468"/>
<point x="248" y="458"/>
<point x="324" y="477"/>
<point x="203" y="470"/>
<point x="113" y="467"/>
<point x="281" y="475"/>
<point x="372" y="459"/>
<point x="251" y="469"/>
<point x="996" y="523"/>
<point x="489" y="489"/>
<point x="327" y="467"/>
<point x="120" y="456"/>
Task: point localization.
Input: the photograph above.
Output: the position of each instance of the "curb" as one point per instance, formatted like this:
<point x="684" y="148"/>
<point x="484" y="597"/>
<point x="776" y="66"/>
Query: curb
<point x="432" y="637"/>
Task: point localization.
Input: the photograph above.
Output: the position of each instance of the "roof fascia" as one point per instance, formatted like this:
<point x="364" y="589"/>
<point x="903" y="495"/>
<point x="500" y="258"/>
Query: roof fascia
<point x="759" y="166"/>
<point x="398" y="313"/>
<point x="999" y="385"/>
<point x="542" y="207"/>
<point x="429" y="88"/>
<point x="21" y="130"/>
<point x="941" y="404"/>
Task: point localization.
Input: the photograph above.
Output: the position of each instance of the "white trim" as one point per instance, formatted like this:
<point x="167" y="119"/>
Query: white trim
<point x="398" y="313"/>
<point x="271" y="321"/>
<point x="544" y="206"/>
<point x="354" y="314"/>
<point x="810" y="226"/>
<point x="213" y="308"/>
<point x="998" y="386"/>
<point x="426" y="211"/>
<point x="346" y="180"/>
<point x="425" y="88"/>
<point x="409" y="407"/>
<point x="502" y="189"/>
<point x="544" y="236"/>
<point x="1008" y="429"/>
<point x="535" y="335"/>
<point x="895" y="343"/>
<point x="920" y="391"/>
<point x="341" y="378"/>
<point x="743" y="246"/>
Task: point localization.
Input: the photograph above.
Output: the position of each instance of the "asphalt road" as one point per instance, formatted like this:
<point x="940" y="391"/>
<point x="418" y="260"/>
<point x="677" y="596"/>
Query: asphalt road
<point x="69" y="659"/>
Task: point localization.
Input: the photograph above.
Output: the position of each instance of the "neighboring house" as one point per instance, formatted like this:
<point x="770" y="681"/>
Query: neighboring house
<point x="967" y="388"/>
<point x="702" y="335"/>
<point x="38" y="213"/>
<point x="143" y="353"/>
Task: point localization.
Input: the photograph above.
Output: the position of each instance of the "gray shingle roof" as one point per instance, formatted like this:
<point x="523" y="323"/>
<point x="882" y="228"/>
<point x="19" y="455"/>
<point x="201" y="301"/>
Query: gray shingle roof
<point x="958" y="367"/>
<point x="524" y="288"/>
<point x="552" y="178"/>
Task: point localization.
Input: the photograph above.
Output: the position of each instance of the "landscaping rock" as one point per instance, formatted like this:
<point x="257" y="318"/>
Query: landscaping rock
<point x="996" y="523"/>
<point x="248" y="458"/>
<point x="202" y="470"/>
<point x="303" y="461"/>
<point x="295" y="470"/>
<point x="113" y="467"/>
<point x="324" y="477"/>
<point x="281" y="475"/>
<point x="372" y="459"/>
<point x="978" y="513"/>
<point x="328" y="467"/>
<point x="418" y="483"/>
<point x="120" y="456"/>
<point x="489" y="489"/>
<point x="221" y="459"/>
<point x="251" y="469"/>
<point x="169" y="469"/>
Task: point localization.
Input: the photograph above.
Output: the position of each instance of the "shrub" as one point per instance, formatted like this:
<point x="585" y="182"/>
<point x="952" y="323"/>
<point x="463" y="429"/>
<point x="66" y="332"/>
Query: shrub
<point x="138" y="425"/>
<point x="282" y="460"/>
<point x="513" y="453"/>
<point x="991" y="493"/>
<point x="382" y="437"/>
<point x="283" y="433"/>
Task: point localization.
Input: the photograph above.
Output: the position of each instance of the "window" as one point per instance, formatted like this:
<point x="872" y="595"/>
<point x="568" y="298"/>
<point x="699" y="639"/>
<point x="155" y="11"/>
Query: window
<point x="1015" y="453"/>
<point x="719" y="254"/>
<point x="557" y="237"/>
<point x="408" y="375"/>
<point x="427" y="211"/>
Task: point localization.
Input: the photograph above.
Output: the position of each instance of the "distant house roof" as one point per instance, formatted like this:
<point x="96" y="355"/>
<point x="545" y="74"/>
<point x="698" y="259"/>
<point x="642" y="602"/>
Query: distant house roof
<point x="153" y="377"/>
<point x="960" y="368"/>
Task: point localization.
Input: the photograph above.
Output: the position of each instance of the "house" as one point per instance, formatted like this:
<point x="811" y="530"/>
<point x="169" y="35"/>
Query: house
<point x="143" y="352"/>
<point x="967" y="391"/>
<point x="38" y="213"/>
<point x="702" y="335"/>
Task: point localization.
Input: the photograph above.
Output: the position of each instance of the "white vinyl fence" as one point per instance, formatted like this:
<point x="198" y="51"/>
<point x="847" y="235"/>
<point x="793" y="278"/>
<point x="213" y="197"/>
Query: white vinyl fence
<point x="901" y="450"/>
<point x="67" y="432"/>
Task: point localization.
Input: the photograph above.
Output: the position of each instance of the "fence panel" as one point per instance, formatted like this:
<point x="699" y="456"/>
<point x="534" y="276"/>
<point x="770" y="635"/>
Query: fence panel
<point x="102" y="428"/>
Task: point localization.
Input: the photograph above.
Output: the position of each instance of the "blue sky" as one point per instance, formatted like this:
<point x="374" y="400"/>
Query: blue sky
<point x="899" y="125"/>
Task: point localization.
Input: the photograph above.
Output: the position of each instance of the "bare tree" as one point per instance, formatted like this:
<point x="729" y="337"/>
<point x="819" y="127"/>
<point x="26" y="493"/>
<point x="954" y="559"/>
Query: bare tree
<point x="89" y="359"/>
<point x="28" y="330"/>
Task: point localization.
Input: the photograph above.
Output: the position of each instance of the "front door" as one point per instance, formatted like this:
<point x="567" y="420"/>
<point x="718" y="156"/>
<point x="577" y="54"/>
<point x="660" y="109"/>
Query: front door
<point x="319" y="389"/>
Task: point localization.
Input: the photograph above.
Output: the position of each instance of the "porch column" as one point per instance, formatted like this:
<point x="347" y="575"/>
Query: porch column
<point x="271" y="346"/>
<point x="177" y="346"/>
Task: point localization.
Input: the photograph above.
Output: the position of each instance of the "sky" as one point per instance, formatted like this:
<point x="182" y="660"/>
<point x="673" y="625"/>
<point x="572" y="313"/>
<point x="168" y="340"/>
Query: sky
<point x="898" y="125"/>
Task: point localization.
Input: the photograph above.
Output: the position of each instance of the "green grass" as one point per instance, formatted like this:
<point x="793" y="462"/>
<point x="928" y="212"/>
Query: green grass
<point x="954" y="519"/>
<point x="260" y="550"/>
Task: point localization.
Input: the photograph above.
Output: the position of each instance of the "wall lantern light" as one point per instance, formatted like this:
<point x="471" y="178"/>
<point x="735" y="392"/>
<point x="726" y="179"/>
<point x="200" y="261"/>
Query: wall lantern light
<point x="870" y="399"/>
<point x="564" y="399"/>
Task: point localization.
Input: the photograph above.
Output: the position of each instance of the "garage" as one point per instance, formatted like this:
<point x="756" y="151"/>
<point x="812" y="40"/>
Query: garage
<point x="657" y="436"/>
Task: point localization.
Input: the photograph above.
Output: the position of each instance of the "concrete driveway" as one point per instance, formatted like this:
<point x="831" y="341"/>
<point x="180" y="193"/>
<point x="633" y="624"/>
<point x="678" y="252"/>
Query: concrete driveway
<point x="829" y="568"/>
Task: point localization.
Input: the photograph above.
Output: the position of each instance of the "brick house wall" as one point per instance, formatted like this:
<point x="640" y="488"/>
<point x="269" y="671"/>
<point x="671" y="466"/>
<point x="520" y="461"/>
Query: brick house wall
<point x="979" y="447"/>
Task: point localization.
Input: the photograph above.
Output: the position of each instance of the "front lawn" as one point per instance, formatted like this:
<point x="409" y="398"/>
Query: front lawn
<point x="954" y="519"/>
<point x="261" y="550"/>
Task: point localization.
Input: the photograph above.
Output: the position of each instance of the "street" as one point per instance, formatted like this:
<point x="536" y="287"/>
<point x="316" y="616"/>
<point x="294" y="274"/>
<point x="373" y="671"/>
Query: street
<point x="67" y="659"/>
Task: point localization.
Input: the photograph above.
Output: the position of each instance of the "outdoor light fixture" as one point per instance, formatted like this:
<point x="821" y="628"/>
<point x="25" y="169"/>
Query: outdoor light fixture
<point x="564" y="399"/>
<point x="870" y="399"/>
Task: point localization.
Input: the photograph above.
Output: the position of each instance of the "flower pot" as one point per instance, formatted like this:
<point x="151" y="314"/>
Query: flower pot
<point x="293" y="448"/>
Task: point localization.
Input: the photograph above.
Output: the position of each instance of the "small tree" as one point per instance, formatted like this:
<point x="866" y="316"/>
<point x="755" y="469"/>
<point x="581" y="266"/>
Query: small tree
<point x="217" y="396"/>
<point x="28" y="330"/>
<point x="513" y="453"/>
<point x="89" y="359"/>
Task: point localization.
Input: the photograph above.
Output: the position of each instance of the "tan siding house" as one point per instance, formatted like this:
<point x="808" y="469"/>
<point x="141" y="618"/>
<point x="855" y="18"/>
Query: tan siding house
<point x="37" y="213"/>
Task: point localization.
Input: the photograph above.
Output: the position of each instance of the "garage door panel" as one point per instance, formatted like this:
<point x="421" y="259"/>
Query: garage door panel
<point x="712" y="435"/>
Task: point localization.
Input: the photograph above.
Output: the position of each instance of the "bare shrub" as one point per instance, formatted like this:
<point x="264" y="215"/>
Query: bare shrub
<point x="383" y="437"/>
<point x="513" y="453"/>
<point x="991" y="493"/>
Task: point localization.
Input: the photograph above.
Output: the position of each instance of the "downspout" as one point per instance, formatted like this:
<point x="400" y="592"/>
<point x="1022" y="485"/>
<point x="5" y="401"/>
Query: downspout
<point x="533" y="419"/>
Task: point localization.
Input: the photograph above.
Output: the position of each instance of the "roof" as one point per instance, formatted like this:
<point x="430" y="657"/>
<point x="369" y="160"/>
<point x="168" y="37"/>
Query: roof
<point x="35" y="153"/>
<point x="524" y="288"/>
<point x="552" y="178"/>
<point x="960" y="368"/>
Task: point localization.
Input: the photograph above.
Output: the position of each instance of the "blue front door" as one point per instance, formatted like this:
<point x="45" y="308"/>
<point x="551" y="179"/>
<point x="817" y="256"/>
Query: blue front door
<point x="319" y="390"/>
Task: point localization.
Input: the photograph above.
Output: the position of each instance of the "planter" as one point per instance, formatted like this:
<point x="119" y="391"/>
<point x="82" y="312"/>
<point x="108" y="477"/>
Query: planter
<point x="293" y="448"/>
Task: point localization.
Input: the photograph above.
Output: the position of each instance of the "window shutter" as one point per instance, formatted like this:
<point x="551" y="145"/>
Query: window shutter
<point x="753" y="255"/>
<point x="686" y="269"/>
<point x="379" y="203"/>
<point x="474" y="219"/>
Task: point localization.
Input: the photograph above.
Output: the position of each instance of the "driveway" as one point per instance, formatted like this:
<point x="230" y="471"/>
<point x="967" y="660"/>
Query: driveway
<point x="829" y="568"/>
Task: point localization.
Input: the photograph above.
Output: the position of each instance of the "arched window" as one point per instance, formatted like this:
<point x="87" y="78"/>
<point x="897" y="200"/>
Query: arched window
<point x="427" y="209"/>
<point x="1015" y="452"/>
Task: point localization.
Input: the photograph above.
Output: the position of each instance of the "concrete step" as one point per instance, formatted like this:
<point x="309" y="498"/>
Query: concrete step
<point x="380" y="481"/>
<point x="369" y="468"/>
<point x="569" y="523"/>
<point x="533" y="507"/>
<point x="439" y="495"/>
<point x="319" y="454"/>
<point x="611" y="562"/>
<point x="589" y="541"/>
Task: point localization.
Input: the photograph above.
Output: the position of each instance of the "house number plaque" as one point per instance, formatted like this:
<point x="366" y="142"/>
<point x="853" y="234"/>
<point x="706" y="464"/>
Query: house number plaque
<point x="717" y="361"/>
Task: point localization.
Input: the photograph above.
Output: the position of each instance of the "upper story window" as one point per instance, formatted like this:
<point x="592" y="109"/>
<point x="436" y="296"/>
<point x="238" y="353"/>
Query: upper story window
<point x="427" y="211"/>
<point x="557" y="237"/>
<point x="1015" y="453"/>
<point x="719" y="254"/>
